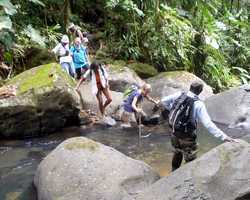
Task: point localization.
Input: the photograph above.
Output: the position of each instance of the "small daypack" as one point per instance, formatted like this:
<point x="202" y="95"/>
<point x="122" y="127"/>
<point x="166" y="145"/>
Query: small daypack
<point x="180" y="116"/>
<point x="130" y="90"/>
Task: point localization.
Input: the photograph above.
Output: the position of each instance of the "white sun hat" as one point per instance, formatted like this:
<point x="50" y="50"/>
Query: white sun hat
<point x="65" y="39"/>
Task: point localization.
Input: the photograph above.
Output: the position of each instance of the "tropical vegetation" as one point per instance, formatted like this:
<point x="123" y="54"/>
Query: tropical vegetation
<point x="210" y="38"/>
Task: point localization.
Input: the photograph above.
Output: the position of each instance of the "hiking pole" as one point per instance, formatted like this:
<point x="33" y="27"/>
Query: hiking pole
<point x="140" y="128"/>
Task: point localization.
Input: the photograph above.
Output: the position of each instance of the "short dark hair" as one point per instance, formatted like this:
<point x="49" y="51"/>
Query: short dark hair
<point x="196" y="87"/>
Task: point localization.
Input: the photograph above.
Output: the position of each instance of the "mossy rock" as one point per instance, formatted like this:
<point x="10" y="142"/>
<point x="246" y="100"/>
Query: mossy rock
<point x="143" y="70"/>
<point x="45" y="102"/>
<point x="82" y="143"/>
<point x="117" y="65"/>
<point x="40" y="77"/>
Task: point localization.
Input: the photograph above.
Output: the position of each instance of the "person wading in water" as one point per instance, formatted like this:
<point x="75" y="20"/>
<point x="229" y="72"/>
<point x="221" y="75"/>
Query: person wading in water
<point x="131" y="109"/>
<point x="100" y="85"/>
<point x="185" y="111"/>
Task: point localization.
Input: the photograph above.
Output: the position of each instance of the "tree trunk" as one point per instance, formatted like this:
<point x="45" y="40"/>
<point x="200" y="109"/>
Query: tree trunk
<point x="66" y="13"/>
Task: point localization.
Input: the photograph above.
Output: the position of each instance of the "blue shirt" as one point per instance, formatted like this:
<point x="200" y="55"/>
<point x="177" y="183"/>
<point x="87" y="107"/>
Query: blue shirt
<point x="80" y="56"/>
<point x="127" y="105"/>
<point x="199" y="113"/>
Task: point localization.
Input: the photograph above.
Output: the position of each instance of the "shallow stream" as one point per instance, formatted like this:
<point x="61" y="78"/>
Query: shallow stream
<point x="20" y="158"/>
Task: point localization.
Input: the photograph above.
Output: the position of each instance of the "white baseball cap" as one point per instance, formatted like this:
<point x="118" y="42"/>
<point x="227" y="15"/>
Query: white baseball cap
<point x="65" y="39"/>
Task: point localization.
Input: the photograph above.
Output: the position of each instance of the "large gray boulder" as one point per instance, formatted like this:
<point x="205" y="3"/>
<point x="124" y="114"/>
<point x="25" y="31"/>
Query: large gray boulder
<point x="45" y="101"/>
<point x="221" y="174"/>
<point x="231" y="107"/>
<point x="80" y="168"/>
<point x="167" y="83"/>
<point x="121" y="77"/>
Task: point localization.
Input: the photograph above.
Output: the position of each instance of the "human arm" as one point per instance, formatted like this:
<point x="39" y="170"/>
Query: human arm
<point x="55" y="50"/>
<point x="134" y="106"/>
<point x="168" y="101"/>
<point x="149" y="98"/>
<point x="206" y="121"/>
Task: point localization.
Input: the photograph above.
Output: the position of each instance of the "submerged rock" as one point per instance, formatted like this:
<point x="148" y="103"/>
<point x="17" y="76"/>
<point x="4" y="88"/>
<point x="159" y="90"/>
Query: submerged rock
<point x="222" y="173"/>
<point x="45" y="101"/>
<point x="80" y="168"/>
<point x="231" y="107"/>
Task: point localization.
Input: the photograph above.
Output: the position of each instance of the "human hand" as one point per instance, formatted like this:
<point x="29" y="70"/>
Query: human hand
<point x="157" y="101"/>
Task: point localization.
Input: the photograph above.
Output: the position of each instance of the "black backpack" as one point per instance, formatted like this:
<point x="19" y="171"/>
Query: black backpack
<point x="180" y="116"/>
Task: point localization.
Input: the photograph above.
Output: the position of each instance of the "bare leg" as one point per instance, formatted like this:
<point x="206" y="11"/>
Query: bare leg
<point x="106" y="92"/>
<point x="100" y="101"/>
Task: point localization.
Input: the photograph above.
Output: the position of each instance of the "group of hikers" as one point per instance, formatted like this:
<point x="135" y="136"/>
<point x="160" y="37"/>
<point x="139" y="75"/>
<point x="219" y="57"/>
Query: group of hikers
<point x="184" y="110"/>
<point x="73" y="57"/>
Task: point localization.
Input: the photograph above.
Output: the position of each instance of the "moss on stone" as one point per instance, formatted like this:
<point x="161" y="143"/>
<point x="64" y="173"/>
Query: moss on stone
<point x="13" y="195"/>
<point x="143" y="70"/>
<point x="38" y="77"/>
<point x="173" y="74"/>
<point x="82" y="143"/>
<point x="117" y="65"/>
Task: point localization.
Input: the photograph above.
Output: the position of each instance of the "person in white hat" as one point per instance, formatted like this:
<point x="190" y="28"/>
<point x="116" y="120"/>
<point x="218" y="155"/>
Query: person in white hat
<point x="62" y="51"/>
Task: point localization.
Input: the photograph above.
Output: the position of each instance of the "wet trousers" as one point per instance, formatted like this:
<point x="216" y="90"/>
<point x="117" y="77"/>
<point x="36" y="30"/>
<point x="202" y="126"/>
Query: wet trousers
<point x="185" y="147"/>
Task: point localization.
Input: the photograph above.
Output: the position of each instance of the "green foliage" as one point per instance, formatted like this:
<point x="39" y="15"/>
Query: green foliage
<point x="209" y="38"/>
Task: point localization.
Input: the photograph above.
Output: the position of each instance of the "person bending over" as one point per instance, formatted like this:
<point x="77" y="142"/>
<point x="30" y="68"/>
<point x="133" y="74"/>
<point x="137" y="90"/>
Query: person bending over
<point x="131" y="109"/>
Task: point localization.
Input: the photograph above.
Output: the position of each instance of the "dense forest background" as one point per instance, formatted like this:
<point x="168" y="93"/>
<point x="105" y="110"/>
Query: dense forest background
<point x="210" y="38"/>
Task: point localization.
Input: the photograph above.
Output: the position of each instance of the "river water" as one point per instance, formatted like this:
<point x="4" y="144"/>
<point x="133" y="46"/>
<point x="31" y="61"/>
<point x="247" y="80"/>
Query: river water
<point x="20" y="158"/>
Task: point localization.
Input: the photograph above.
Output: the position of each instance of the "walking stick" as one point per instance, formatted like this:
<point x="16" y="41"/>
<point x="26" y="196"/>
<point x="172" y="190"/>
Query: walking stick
<point x="140" y="129"/>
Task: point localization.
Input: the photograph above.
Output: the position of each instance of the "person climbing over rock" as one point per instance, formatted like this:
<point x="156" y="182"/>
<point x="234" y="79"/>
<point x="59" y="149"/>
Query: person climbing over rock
<point x="185" y="111"/>
<point x="80" y="57"/>
<point x="62" y="51"/>
<point x="131" y="111"/>
<point x="76" y="32"/>
<point x="100" y="85"/>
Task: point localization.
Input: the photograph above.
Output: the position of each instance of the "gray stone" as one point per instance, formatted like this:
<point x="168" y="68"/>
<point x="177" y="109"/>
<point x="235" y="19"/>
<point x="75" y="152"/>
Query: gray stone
<point x="45" y="102"/>
<point x="231" y="107"/>
<point x="89" y="101"/>
<point x="122" y="77"/>
<point x="80" y="168"/>
<point x="221" y="174"/>
<point x="167" y="83"/>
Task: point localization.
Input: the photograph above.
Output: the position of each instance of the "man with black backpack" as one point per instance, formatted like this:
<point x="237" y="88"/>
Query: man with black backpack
<point x="185" y="111"/>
